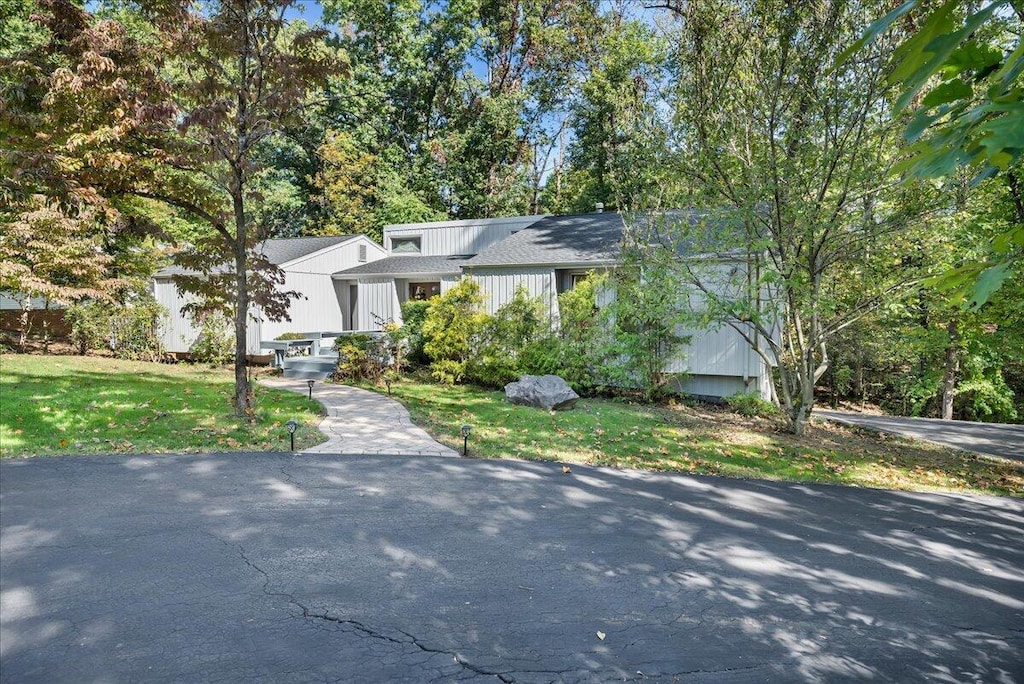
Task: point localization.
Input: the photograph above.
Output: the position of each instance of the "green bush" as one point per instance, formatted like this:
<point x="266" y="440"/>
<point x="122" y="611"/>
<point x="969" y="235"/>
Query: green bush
<point x="130" y="330"/>
<point x="414" y="313"/>
<point x="751" y="404"/>
<point x="453" y="322"/>
<point x="216" y="342"/>
<point x="362" y="357"/>
<point x="90" y="325"/>
<point x="646" y="314"/>
<point x="504" y="337"/>
<point x="582" y="335"/>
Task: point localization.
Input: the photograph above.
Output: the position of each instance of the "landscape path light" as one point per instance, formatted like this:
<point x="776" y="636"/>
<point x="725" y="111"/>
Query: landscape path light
<point x="292" y="427"/>
<point x="310" y="383"/>
<point x="465" y="439"/>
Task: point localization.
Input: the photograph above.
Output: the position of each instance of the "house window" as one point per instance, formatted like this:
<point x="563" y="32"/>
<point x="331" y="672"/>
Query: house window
<point x="566" y="279"/>
<point x="405" y="245"/>
<point x="362" y="253"/>
<point x="420" y="291"/>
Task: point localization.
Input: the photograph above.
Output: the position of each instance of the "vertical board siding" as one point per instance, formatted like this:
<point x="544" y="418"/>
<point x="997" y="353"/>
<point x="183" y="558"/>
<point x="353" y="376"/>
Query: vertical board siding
<point x="317" y="310"/>
<point x="453" y="240"/>
<point x="11" y="301"/>
<point x="499" y="286"/>
<point x="337" y="258"/>
<point x="177" y="334"/>
<point x="378" y="301"/>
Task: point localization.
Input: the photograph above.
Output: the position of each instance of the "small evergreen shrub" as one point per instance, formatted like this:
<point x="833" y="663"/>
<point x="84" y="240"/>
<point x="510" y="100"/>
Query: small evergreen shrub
<point x="216" y="342"/>
<point x="504" y="337"/>
<point x="414" y="313"/>
<point x="453" y="322"/>
<point x="751" y="404"/>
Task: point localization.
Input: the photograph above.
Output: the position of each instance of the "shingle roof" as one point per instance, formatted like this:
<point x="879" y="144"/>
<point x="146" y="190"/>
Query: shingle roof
<point x="398" y="265"/>
<point x="578" y="239"/>
<point x="277" y="251"/>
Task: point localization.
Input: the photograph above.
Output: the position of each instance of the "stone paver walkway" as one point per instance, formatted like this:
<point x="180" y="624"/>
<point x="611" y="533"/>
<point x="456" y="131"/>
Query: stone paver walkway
<point x="363" y="422"/>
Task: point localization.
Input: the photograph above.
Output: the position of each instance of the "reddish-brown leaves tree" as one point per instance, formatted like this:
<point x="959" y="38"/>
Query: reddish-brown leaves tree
<point x="177" y="116"/>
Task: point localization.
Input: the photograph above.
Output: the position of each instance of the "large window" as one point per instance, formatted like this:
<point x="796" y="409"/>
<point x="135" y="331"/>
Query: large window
<point x="424" y="290"/>
<point x="405" y="245"/>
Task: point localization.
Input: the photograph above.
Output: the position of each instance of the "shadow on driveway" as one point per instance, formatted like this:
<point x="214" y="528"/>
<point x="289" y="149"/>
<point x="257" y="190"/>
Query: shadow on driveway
<point x="283" y="567"/>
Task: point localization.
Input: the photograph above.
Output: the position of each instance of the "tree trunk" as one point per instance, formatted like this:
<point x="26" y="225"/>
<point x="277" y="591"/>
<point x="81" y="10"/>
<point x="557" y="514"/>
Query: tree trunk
<point x="243" y="396"/>
<point x="26" y="309"/>
<point x="46" y="326"/>
<point x="952" y="367"/>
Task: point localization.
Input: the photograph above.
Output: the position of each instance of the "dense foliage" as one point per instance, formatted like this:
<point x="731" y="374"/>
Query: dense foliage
<point x="861" y="162"/>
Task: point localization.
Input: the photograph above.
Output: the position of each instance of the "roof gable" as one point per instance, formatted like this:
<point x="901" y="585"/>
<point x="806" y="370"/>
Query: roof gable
<point x="278" y="251"/>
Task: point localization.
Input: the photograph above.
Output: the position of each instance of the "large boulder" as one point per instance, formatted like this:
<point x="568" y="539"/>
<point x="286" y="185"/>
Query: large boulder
<point x="544" y="391"/>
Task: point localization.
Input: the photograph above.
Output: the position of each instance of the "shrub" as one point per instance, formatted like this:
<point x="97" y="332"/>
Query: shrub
<point x="453" y="321"/>
<point x="90" y="325"/>
<point x="414" y="313"/>
<point x="582" y="332"/>
<point x="216" y="342"/>
<point x="504" y="337"/>
<point x="648" y="309"/>
<point x="396" y="346"/>
<point x="130" y="330"/>
<point x="751" y="404"/>
<point x="361" y="357"/>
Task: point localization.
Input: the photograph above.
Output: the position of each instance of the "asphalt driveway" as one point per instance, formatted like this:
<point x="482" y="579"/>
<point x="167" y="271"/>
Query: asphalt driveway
<point x="994" y="439"/>
<point x="279" y="568"/>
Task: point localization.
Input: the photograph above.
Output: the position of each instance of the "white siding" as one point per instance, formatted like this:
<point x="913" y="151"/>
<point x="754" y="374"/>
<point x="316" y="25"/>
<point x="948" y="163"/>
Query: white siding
<point x="448" y="282"/>
<point x="499" y="286"/>
<point x="317" y="310"/>
<point x="457" y="238"/>
<point x="323" y="305"/>
<point x="177" y="334"/>
<point x="336" y="258"/>
<point x="377" y="302"/>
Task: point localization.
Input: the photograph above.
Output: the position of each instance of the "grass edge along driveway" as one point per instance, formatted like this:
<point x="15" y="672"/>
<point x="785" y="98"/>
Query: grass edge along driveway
<point x="51" y="405"/>
<point x="697" y="439"/>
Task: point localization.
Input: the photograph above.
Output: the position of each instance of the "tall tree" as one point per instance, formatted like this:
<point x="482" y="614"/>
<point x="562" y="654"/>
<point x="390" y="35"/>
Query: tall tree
<point x="176" y="110"/>
<point x="960" y="71"/>
<point x="770" y="125"/>
<point x="61" y="239"/>
<point x="238" y="74"/>
<point x="616" y="135"/>
<point x="472" y="100"/>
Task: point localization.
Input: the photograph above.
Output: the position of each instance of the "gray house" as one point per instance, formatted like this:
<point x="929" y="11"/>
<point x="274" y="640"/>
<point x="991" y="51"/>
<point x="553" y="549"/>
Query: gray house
<point x="308" y="264"/>
<point x="547" y="255"/>
<point x="352" y="284"/>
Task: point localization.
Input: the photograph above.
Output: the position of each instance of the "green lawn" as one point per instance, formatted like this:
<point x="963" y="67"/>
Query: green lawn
<point x="698" y="440"/>
<point x="74" y="404"/>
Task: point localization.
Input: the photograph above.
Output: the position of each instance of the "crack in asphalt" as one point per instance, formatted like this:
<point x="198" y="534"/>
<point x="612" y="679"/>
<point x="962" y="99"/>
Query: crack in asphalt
<point x="412" y="640"/>
<point x="360" y="627"/>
